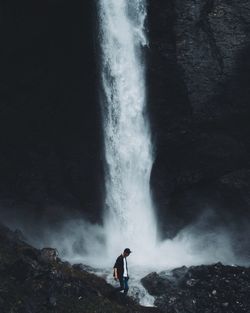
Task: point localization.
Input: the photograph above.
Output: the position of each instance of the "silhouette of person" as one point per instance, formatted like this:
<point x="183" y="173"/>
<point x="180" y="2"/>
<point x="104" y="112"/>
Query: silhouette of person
<point x="120" y="271"/>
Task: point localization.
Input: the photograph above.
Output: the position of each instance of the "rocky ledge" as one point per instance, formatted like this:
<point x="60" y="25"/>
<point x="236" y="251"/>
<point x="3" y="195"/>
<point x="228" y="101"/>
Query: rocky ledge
<point x="37" y="281"/>
<point x="201" y="289"/>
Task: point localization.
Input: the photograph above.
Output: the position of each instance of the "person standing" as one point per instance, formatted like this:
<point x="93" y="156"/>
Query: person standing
<point x="120" y="271"/>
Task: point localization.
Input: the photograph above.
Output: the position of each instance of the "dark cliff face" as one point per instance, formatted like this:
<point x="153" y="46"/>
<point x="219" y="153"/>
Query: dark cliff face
<point x="198" y="95"/>
<point x="199" y="69"/>
<point x="50" y="129"/>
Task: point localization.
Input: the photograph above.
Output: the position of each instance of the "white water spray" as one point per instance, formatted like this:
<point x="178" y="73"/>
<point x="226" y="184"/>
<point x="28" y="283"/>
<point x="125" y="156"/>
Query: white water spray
<point x="129" y="217"/>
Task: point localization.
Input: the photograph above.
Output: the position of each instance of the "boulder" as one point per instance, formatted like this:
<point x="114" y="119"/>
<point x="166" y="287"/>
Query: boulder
<point x="206" y="288"/>
<point x="49" y="254"/>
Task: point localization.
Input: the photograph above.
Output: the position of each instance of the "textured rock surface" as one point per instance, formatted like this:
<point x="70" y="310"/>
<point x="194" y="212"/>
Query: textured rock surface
<point x="29" y="284"/>
<point x="211" y="289"/>
<point x="199" y="103"/>
<point x="198" y="88"/>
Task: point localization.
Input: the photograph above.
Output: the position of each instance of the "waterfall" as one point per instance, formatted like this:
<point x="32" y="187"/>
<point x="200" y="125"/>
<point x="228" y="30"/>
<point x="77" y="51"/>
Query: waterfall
<point x="129" y="216"/>
<point x="129" y="219"/>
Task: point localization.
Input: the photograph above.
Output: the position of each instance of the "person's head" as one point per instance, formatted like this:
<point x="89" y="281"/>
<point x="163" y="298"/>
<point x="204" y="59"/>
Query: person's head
<point x="126" y="252"/>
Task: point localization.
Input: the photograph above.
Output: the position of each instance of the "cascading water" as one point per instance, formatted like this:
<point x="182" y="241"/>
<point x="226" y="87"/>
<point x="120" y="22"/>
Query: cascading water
<point x="129" y="217"/>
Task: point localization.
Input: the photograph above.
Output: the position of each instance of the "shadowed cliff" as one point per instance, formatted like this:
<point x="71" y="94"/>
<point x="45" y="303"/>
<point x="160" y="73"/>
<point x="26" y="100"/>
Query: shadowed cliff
<point x="198" y="93"/>
<point x="50" y="128"/>
<point x="198" y="75"/>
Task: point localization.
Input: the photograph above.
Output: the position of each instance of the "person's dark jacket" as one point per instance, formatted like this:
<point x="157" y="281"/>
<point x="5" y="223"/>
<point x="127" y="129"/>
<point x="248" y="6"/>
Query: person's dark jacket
<point x="119" y="266"/>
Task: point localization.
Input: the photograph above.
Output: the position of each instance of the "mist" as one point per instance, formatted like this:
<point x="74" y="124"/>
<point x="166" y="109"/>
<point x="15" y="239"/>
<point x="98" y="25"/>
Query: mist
<point x="79" y="241"/>
<point x="205" y="241"/>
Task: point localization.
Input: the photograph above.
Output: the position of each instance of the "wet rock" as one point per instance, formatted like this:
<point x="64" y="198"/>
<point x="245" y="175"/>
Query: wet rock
<point x="83" y="267"/>
<point x="212" y="288"/>
<point x="179" y="273"/>
<point x="191" y="282"/>
<point x="19" y="235"/>
<point x="34" y="281"/>
<point x="52" y="301"/>
<point x="49" y="254"/>
<point x="19" y="270"/>
<point x="199" y="93"/>
<point x="155" y="284"/>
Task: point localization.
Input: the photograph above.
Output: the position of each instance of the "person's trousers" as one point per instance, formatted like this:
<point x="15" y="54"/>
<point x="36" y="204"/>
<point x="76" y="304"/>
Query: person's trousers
<point x="123" y="285"/>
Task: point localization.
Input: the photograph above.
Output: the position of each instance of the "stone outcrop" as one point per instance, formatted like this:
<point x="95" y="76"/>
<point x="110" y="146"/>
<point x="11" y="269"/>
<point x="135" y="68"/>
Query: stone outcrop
<point x="36" y="281"/>
<point x="212" y="289"/>
<point x="33" y="283"/>
<point x="49" y="255"/>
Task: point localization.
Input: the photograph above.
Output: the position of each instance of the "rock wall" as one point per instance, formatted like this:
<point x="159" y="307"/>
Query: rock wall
<point x="198" y="95"/>
<point x="198" y="101"/>
<point x="50" y="130"/>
